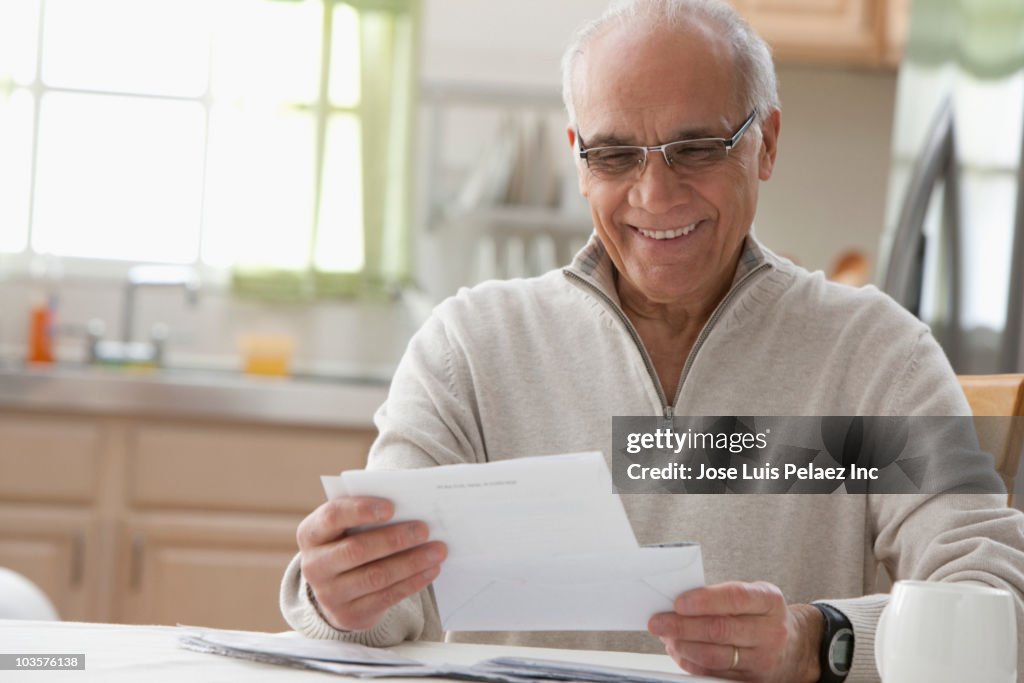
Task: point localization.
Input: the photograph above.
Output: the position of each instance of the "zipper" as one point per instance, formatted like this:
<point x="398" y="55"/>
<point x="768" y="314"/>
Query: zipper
<point x="667" y="410"/>
<point x="632" y="332"/>
<point x="702" y="337"/>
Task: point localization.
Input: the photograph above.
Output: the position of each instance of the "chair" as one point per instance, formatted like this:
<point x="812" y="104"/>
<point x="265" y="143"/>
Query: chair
<point x="998" y="395"/>
<point x="22" y="599"/>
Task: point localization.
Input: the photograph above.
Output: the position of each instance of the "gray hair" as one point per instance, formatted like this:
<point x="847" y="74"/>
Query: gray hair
<point x="756" y="71"/>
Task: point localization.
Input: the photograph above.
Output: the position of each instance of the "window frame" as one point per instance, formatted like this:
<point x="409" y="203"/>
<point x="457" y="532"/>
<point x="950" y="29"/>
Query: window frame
<point x="335" y="284"/>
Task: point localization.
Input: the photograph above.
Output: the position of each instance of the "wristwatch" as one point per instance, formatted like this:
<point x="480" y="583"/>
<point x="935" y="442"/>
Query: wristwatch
<point x="836" y="653"/>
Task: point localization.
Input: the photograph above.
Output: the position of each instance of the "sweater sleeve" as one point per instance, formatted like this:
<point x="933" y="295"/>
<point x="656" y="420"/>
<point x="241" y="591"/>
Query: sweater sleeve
<point x="945" y="537"/>
<point x="425" y="421"/>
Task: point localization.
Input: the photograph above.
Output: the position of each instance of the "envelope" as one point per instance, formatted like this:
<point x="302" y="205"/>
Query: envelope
<point x="609" y="591"/>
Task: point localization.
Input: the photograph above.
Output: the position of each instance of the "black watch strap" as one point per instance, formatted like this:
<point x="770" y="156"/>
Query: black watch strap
<point x="836" y="652"/>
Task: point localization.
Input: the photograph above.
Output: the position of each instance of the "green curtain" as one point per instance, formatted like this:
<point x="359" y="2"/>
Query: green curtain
<point x="985" y="37"/>
<point x="993" y="37"/>
<point x="388" y="47"/>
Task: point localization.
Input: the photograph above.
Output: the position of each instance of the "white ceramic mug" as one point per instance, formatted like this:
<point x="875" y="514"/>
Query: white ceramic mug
<point x="934" y="632"/>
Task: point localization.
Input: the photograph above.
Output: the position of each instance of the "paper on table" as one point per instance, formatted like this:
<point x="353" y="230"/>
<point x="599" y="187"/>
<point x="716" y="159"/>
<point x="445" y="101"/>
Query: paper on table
<point x="305" y="648"/>
<point x="334" y="657"/>
<point x="552" y="669"/>
<point x="533" y="544"/>
<point x="267" y="649"/>
<point x="537" y="507"/>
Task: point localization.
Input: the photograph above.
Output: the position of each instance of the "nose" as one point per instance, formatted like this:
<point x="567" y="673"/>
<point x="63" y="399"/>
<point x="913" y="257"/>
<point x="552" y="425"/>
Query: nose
<point x="658" y="188"/>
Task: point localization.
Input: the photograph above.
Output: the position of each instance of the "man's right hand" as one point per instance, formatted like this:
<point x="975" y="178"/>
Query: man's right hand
<point x="357" y="577"/>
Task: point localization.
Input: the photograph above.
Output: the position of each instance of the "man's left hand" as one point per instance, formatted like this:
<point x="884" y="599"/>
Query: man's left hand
<point x="742" y="631"/>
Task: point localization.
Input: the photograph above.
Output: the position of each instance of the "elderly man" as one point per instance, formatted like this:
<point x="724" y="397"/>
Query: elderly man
<point x="673" y="308"/>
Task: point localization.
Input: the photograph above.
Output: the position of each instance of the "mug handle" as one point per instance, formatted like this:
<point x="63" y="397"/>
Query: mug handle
<point x="880" y="630"/>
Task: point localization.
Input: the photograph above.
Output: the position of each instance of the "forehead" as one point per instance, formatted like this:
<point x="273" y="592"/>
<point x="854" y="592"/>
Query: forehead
<point x="644" y="80"/>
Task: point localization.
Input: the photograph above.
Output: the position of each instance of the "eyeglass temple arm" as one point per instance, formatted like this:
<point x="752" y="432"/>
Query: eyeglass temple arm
<point x="731" y="142"/>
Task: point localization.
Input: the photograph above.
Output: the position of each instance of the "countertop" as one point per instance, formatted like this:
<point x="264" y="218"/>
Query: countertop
<point x="326" y="401"/>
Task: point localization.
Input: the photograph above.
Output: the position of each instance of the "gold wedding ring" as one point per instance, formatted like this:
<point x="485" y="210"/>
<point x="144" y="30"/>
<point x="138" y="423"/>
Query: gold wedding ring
<point x="735" y="658"/>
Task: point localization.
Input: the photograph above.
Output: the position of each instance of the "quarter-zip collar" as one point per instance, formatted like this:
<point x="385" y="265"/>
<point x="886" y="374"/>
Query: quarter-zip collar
<point x="592" y="269"/>
<point x="593" y="265"/>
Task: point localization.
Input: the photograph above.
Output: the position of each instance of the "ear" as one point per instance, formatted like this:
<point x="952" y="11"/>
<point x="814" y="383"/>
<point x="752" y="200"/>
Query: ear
<point x="769" y="144"/>
<point x="581" y="168"/>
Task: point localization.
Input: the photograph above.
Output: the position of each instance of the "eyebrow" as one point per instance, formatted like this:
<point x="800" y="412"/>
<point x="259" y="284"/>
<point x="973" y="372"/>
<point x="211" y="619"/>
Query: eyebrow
<point x="613" y="139"/>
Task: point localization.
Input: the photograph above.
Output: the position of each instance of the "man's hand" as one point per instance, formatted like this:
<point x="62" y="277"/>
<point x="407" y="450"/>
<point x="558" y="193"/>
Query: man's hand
<point x="357" y="577"/>
<point x="742" y="631"/>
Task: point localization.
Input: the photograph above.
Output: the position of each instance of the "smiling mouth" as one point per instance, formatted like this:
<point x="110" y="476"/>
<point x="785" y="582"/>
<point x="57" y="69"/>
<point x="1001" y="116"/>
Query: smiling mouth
<point x="666" y="234"/>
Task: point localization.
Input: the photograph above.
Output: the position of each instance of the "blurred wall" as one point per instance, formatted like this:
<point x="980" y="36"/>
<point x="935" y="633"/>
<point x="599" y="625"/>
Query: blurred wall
<point x="828" y="192"/>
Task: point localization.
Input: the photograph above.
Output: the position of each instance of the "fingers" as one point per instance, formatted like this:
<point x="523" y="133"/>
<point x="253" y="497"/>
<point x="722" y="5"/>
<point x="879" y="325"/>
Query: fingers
<point x="741" y="631"/>
<point x="357" y="599"/>
<point x="372" y="559"/>
<point x="728" y="630"/>
<point x="708" y="658"/>
<point x="731" y="598"/>
<point x="356" y="577"/>
<point x="376" y="604"/>
<point x="365" y="547"/>
<point x="332" y="519"/>
<point x="379" y="576"/>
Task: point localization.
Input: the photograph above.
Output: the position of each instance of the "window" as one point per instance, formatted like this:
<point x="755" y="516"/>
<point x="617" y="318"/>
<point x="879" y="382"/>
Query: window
<point x="268" y="137"/>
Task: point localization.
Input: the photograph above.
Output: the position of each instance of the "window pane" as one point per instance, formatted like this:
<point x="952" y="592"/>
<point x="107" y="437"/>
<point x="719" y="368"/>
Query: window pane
<point x="259" y="187"/>
<point x="15" y="167"/>
<point x="989" y="121"/>
<point x="340" y="225"/>
<point x="19" y="30"/>
<point x="118" y="177"/>
<point x="344" y="86"/>
<point x="986" y="243"/>
<point x="140" y="46"/>
<point x="267" y="50"/>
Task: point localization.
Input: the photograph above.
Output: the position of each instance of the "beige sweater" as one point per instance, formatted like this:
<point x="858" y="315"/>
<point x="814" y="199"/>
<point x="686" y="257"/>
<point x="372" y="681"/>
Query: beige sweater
<point x="529" y="367"/>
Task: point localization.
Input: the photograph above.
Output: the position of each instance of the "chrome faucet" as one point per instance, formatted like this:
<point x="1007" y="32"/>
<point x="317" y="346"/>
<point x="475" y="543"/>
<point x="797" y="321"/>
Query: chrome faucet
<point x="155" y="276"/>
<point x="127" y="350"/>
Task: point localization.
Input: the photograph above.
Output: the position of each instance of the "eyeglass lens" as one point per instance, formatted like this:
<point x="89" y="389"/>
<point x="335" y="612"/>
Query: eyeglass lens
<point x="682" y="156"/>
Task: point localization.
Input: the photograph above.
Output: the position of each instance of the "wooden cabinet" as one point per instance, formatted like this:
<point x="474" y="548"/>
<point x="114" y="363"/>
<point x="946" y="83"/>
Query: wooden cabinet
<point x="56" y="549"/>
<point x="53" y="459"/>
<point x="223" y="572"/>
<point x="48" y="520"/>
<point x="161" y="521"/>
<point x="855" y="32"/>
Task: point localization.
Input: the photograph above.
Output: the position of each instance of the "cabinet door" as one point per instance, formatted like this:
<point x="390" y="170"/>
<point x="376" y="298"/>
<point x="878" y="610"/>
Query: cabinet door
<point x="56" y="551"/>
<point x="221" y="574"/>
<point x="814" y="31"/>
<point x="187" y="466"/>
<point x="897" y="25"/>
<point x="50" y="458"/>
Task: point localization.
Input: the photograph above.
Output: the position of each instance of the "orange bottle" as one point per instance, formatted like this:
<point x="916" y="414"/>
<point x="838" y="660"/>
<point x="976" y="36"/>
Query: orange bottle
<point x="40" y="331"/>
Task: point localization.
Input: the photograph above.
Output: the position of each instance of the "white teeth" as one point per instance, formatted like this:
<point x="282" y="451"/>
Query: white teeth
<point x="667" y="234"/>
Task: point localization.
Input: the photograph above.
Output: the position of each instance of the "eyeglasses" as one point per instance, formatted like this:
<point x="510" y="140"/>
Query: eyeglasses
<point x="684" y="155"/>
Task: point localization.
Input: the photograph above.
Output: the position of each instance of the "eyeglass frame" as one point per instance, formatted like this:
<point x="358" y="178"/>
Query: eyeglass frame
<point x="729" y="143"/>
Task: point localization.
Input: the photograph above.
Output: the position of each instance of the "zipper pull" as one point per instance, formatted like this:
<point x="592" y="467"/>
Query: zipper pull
<point x="667" y="416"/>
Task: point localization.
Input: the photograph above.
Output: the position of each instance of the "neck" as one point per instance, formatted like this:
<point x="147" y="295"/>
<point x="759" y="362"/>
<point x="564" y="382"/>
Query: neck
<point x="673" y="317"/>
<point x="668" y="330"/>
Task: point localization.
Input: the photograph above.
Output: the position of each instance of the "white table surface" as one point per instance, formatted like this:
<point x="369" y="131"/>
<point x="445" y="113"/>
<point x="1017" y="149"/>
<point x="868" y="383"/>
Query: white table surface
<point x="115" y="652"/>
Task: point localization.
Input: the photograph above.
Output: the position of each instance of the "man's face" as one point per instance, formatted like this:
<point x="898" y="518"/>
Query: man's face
<point x="636" y="87"/>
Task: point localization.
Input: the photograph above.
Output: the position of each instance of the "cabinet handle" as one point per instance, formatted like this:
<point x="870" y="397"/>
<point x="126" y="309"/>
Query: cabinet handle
<point x="138" y="545"/>
<point x="77" y="559"/>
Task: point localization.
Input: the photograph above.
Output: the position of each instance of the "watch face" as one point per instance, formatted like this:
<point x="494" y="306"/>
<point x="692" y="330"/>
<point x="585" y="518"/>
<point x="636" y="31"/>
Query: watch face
<point x="840" y="652"/>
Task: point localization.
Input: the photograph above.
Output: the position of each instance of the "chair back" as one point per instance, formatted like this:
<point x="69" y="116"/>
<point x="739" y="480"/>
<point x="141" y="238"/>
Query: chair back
<point x="22" y="599"/>
<point x="998" y="395"/>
